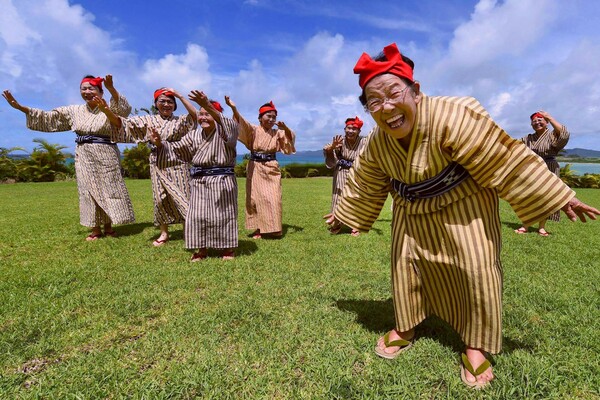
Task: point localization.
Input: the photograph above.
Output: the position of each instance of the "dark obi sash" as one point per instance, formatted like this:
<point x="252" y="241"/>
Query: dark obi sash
<point x="344" y="164"/>
<point x="80" y="139"/>
<point x="449" y="178"/>
<point x="262" y="157"/>
<point x="198" y="172"/>
<point x="549" y="159"/>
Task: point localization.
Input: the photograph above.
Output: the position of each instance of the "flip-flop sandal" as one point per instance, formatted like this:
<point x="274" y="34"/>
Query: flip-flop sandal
<point x="466" y="364"/>
<point x="403" y="344"/>
<point x="199" y="256"/>
<point x="228" y="255"/>
<point x="355" y="233"/>
<point x="521" y="230"/>
<point x="93" y="236"/>
<point x="111" y="233"/>
<point x="159" y="242"/>
<point x="544" y="233"/>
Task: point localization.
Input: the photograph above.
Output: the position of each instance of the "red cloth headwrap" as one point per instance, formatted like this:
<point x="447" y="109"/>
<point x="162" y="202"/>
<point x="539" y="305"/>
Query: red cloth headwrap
<point x="355" y="121"/>
<point x="217" y="106"/>
<point x="367" y="68"/>
<point x="164" y="91"/>
<point x="536" y="115"/>
<point x="264" y="109"/>
<point x="93" y="81"/>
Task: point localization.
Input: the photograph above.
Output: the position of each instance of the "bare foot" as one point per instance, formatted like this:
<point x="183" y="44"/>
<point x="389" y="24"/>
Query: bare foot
<point x="477" y="357"/>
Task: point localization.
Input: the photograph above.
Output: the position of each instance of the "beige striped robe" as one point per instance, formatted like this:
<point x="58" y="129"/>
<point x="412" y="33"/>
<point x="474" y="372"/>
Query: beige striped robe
<point x="341" y="174"/>
<point x="446" y="250"/>
<point x="547" y="145"/>
<point x="103" y="196"/>
<point x="263" y="179"/>
<point x="170" y="175"/>
<point x="211" y="221"/>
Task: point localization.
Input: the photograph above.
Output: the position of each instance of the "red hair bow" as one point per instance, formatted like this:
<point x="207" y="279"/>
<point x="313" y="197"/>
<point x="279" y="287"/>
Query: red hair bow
<point x="355" y="121"/>
<point x="367" y="68"/>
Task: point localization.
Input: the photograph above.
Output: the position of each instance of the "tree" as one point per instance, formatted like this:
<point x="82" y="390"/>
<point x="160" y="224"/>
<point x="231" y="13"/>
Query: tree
<point x="8" y="167"/>
<point x="135" y="161"/>
<point x="45" y="163"/>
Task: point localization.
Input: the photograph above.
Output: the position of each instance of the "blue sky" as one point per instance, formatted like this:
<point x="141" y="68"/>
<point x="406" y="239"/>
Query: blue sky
<point x="514" y="56"/>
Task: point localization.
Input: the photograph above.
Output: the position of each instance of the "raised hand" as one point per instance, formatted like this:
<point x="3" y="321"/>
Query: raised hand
<point x="199" y="97"/>
<point x="229" y="102"/>
<point x="155" y="137"/>
<point x="281" y="125"/>
<point x="576" y="208"/>
<point x="108" y="82"/>
<point x="337" y="142"/>
<point x="13" y="102"/>
<point x="99" y="102"/>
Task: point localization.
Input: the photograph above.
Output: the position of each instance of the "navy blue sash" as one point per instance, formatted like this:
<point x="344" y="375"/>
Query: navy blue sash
<point x="262" y="157"/>
<point x="549" y="158"/>
<point x="80" y="139"/>
<point x="449" y="178"/>
<point x="198" y="172"/>
<point x="344" y="164"/>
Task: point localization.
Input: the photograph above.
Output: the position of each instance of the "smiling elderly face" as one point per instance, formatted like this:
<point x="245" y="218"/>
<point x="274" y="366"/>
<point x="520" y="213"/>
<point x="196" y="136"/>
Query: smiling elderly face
<point x="398" y="111"/>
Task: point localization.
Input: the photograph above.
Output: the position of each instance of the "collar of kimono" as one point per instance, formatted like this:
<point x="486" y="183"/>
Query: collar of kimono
<point x="355" y="121"/>
<point x="267" y="108"/>
<point x="93" y="81"/>
<point x="367" y="68"/>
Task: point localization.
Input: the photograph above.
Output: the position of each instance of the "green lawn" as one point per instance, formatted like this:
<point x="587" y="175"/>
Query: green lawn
<point x="290" y="318"/>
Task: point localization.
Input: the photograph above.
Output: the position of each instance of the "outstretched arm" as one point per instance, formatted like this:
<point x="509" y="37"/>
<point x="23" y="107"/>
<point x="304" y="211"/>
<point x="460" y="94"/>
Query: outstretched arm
<point x="13" y="102"/>
<point x="202" y="99"/>
<point x="236" y="114"/>
<point x="186" y="103"/>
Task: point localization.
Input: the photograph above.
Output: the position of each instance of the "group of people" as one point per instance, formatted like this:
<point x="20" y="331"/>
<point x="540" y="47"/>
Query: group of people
<point x="443" y="159"/>
<point x="191" y="164"/>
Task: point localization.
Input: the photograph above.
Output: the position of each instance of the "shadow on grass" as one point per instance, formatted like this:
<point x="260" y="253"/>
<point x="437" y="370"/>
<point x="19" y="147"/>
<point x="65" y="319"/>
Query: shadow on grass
<point x="285" y="228"/>
<point x="246" y="247"/>
<point x="512" y="225"/>
<point x="378" y="316"/>
<point x="132" y="229"/>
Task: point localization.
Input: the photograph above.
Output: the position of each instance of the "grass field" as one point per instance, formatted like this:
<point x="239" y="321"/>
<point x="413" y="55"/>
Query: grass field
<point x="291" y="318"/>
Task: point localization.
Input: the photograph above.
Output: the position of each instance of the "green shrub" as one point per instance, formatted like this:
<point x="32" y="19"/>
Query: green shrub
<point x="136" y="163"/>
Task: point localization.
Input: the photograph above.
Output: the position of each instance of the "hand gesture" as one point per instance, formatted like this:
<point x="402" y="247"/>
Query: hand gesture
<point x="155" y="137"/>
<point x="229" y="102"/>
<point x="575" y="208"/>
<point x="281" y="125"/>
<point x="100" y="103"/>
<point x="108" y="82"/>
<point x="199" y="97"/>
<point x="337" y="142"/>
<point x="175" y="92"/>
<point x="11" y="100"/>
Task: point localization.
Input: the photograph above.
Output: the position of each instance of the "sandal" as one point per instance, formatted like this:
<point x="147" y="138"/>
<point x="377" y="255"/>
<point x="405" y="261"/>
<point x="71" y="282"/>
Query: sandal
<point x="543" y="232"/>
<point x="93" y="236"/>
<point x="228" y="255"/>
<point x="256" y="235"/>
<point x="159" y="242"/>
<point x="521" y="230"/>
<point x="466" y="364"/>
<point x="335" y="230"/>
<point x="199" y="256"/>
<point x="403" y="344"/>
<point x="110" y="233"/>
<point x="355" y="233"/>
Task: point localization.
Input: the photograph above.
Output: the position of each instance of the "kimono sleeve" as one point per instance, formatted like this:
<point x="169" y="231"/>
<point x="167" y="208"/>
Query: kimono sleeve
<point x="330" y="159"/>
<point x="286" y="144"/>
<point x="560" y="138"/>
<point x="228" y="130"/>
<point x="496" y="160"/>
<point x="132" y="130"/>
<point x="182" y="126"/>
<point x="120" y="106"/>
<point x="184" y="149"/>
<point x="57" y="120"/>
<point x="365" y="191"/>
<point x="246" y="132"/>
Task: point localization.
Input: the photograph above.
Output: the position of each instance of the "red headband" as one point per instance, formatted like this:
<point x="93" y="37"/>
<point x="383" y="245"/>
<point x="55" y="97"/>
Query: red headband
<point x="355" y="121"/>
<point x="536" y="115"/>
<point x="367" y="68"/>
<point x="217" y="106"/>
<point x="93" y="81"/>
<point x="164" y="91"/>
<point x="267" y="108"/>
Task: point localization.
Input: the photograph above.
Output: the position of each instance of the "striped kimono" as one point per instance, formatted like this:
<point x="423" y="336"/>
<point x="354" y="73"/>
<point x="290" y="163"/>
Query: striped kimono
<point x="170" y="176"/>
<point x="103" y="196"/>
<point x="335" y="160"/>
<point x="263" y="179"/>
<point x="446" y="249"/>
<point x="547" y="145"/>
<point x="211" y="220"/>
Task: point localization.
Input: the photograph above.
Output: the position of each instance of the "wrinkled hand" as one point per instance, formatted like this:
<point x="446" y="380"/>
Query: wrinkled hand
<point x="281" y="125"/>
<point x="337" y="142"/>
<point x="175" y="92"/>
<point x="229" y="102"/>
<point x="99" y="102"/>
<point x="155" y="137"/>
<point x="199" y="97"/>
<point x="328" y="147"/>
<point x="108" y="82"/>
<point x="576" y="208"/>
<point x="11" y="100"/>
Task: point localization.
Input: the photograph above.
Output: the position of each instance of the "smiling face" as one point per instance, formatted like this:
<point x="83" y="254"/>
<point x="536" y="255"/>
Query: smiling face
<point x="206" y="121"/>
<point x="351" y="132"/>
<point x="398" y="111"/>
<point x="88" y="91"/>
<point x="268" y="119"/>
<point x="539" y="124"/>
<point x="165" y="105"/>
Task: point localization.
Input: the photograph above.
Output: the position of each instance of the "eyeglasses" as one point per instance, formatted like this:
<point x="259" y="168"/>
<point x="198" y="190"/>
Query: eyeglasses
<point x="163" y="102"/>
<point x="375" y="104"/>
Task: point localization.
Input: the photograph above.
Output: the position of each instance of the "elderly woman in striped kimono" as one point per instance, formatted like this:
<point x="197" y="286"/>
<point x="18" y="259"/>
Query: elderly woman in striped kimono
<point x="211" y="221"/>
<point x="547" y="145"/>
<point x="445" y="162"/>
<point x="263" y="178"/>
<point x="170" y="175"/>
<point x="339" y="156"/>
<point x="103" y="196"/>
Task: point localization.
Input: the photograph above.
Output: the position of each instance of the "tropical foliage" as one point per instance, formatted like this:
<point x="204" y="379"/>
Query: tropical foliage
<point x="135" y="161"/>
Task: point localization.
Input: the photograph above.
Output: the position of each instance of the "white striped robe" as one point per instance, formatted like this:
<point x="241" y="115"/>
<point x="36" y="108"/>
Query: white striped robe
<point x="103" y="196"/>
<point x="547" y="145"/>
<point x="170" y="176"/>
<point x="446" y="250"/>
<point x="263" y="179"/>
<point x="211" y="221"/>
<point x="340" y="175"/>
